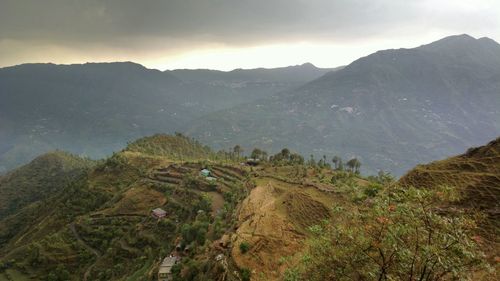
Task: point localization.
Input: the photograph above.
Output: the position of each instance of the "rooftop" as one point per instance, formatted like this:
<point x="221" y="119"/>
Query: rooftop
<point x="166" y="264"/>
<point x="159" y="211"/>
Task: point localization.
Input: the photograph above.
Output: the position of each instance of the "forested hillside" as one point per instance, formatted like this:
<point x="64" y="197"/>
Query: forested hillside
<point x="94" y="109"/>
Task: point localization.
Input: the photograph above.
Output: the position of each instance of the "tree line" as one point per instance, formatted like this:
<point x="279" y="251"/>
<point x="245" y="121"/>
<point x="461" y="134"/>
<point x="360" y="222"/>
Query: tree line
<point x="287" y="157"/>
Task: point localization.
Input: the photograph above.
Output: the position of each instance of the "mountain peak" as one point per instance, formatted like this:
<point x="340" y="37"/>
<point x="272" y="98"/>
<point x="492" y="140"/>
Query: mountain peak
<point x="308" y="65"/>
<point x="458" y="41"/>
<point x="451" y="40"/>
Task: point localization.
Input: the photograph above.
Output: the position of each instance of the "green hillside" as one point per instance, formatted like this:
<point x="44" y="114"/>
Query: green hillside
<point x="43" y="177"/>
<point x="176" y="147"/>
<point x="99" y="225"/>
<point x="278" y="220"/>
<point x="475" y="174"/>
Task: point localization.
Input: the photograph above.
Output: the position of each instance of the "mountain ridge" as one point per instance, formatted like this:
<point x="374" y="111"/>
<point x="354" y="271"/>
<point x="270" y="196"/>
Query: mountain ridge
<point x="405" y="99"/>
<point x="93" y="109"/>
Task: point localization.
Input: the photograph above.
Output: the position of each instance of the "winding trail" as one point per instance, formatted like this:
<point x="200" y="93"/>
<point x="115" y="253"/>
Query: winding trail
<point x="88" y="247"/>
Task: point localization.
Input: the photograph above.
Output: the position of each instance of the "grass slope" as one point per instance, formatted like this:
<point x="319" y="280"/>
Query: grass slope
<point x="476" y="174"/>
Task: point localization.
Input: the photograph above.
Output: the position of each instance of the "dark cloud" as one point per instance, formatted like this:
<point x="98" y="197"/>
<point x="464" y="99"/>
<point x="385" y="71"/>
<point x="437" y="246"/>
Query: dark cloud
<point x="149" y="24"/>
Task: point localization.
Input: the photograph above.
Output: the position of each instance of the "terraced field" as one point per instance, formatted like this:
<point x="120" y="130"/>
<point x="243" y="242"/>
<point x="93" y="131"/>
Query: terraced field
<point x="476" y="175"/>
<point x="273" y="220"/>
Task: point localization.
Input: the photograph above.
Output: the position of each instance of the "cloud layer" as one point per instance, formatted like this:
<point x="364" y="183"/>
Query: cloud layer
<point x="72" y="30"/>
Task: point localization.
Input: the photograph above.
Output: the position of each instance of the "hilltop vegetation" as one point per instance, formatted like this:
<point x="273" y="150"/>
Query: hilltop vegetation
<point x="176" y="147"/>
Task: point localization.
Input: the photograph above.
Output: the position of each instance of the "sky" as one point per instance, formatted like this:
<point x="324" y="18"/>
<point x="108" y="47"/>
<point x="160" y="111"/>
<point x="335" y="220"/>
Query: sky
<point x="229" y="34"/>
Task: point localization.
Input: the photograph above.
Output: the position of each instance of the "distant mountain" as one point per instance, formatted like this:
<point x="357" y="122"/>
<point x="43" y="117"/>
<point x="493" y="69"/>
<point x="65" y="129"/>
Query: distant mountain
<point x="94" y="109"/>
<point x="292" y="74"/>
<point x="392" y="109"/>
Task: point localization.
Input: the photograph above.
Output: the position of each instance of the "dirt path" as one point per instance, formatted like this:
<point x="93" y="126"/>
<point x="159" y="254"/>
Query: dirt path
<point x="88" y="247"/>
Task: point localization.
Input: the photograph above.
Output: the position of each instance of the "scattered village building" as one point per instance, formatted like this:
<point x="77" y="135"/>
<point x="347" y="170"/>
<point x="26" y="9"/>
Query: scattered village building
<point x="211" y="178"/>
<point x="219" y="257"/>
<point x="205" y="172"/>
<point x="165" y="270"/>
<point x="159" y="213"/>
<point x="252" y="161"/>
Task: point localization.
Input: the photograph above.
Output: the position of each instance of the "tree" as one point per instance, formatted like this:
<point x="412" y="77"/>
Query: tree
<point x="354" y="165"/>
<point x="256" y="153"/>
<point x="264" y="155"/>
<point x="341" y="166"/>
<point x="401" y="236"/>
<point x="296" y="159"/>
<point x="336" y="160"/>
<point x="285" y="153"/>
<point x="237" y="150"/>
<point x="311" y="162"/>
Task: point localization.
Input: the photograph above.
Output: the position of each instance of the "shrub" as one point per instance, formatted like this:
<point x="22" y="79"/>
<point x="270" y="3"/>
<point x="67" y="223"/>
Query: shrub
<point x="245" y="274"/>
<point x="244" y="247"/>
<point x="372" y="190"/>
<point x="399" y="237"/>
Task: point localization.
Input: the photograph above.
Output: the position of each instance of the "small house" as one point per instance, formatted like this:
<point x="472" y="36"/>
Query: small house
<point x="205" y="172"/>
<point x="219" y="257"/>
<point x="165" y="270"/>
<point x="252" y="161"/>
<point x="159" y="213"/>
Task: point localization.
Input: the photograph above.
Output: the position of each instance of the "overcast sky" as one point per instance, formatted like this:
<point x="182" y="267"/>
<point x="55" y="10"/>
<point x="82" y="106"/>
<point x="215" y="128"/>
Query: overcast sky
<point x="227" y="34"/>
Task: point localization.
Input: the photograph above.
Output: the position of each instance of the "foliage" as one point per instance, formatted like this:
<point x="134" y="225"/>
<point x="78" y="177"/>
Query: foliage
<point x="178" y="147"/>
<point x="259" y="154"/>
<point x="194" y="232"/>
<point x="285" y="157"/>
<point x="245" y="274"/>
<point x="400" y="237"/>
<point x="382" y="177"/>
<point x="342" y="178"/>
<point x="244" y="247"/>
<point x="43" y="177"/>
<point x="372" y="190"/>
<point x="353" y="165"/>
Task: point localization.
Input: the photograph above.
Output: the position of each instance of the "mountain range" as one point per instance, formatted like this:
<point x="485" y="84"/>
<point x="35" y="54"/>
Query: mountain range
<point x="94" y="109"/>
<point x="392" y="109"/>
